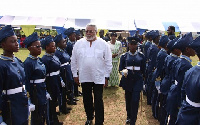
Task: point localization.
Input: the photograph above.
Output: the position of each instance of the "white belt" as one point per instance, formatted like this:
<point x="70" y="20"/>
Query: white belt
<point x="176" y="83"/>
<point x="133" y="67"/>
<point x="192" y="103"/>
<point x="136" y="68"/>
<point x="13" y="91"/>
<point x="64" y="64"/>
<point x="37" y="81"/>
<point x="54" y="73"/>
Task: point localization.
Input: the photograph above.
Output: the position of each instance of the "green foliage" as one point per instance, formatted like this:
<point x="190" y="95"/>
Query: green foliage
<point x="46" y="32"/>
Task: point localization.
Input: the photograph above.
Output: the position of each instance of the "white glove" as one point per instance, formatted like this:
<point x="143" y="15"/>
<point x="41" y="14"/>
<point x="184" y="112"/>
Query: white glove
<point x="159" y="91"/>
<point x="62" y="84"/>
<point x="48" y="96"/>
<point x="144" y="87"/>
<point x="158" y="88"/>
<point x="124" y="72"/>
<point x="3" y="123"/>
<point x="31" y="107"/>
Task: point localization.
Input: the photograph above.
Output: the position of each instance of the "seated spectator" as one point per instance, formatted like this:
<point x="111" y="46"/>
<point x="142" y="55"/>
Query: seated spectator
<point x="23" y="37"/>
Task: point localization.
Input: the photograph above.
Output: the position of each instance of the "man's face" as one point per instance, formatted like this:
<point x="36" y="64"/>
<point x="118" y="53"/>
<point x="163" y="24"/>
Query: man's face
<point x="169" y="31"/>
<point x="90" y="33"/>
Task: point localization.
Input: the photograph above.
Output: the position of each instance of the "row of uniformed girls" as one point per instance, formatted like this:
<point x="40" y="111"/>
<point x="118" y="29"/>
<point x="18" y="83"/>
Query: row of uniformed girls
<point x="167" y="80"/>
<point x="38" y="84"/>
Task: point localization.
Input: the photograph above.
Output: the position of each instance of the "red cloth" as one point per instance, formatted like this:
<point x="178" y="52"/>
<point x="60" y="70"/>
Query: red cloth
<point x="21" y="42"/>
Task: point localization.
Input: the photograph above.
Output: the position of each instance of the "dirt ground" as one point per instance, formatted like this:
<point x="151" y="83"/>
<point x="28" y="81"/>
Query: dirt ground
<point x="114" y="110"/>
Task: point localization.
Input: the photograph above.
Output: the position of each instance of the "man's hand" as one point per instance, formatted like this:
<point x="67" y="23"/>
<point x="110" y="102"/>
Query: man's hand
<point x="106" y="83"/>
<point x="76" y="80"/>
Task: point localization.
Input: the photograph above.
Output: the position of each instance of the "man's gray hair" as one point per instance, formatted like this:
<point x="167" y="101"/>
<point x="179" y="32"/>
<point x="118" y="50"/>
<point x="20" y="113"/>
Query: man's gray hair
<point x="93" y="25"/>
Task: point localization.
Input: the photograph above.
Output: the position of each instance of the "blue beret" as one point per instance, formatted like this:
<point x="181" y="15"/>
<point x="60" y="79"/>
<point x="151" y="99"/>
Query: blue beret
<point x="163" y="41"/>
<point x="69" y="31"/>
<point x="154" y="33"/>
<point x="171" y="43"/>
<point x="30" y="39"/>
<point x="184" y="42"/>
<point x="136" y="39"/>
<point x="132" y="40"/>
<point x="58" y="38"/>
<point x="78" y="32"/>
<point x="147" y="34"/>
<point x="46" y="41"/>
<point x="6" y="31"/>
<point x="196" y="45"/>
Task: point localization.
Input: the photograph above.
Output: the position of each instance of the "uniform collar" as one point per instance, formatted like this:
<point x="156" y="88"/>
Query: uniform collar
<point x="186" y="58"/>
<point x="154" y="44"/>
<point x="7" y="58"/>
<point x="58" y="48"/>
<point x="47" y="54"/>
<point x="173" y="55"/>
<point x="132" y="53"/>
<point x="32" y="57"/>
<point x="148" y="41"/>
<point x="163" y="50"/>
<point x="71" y="41"/>
<point x="198" y="63"/>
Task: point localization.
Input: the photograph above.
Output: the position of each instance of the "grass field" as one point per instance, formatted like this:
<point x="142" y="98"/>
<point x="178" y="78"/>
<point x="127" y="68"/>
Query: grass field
<point x="114" y="105"/>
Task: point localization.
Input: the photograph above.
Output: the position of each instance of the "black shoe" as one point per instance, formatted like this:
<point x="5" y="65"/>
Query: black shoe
<point x="80" y="93"/>
<point x="88" y="122"/>
<point x="65" y="112"/>
<point x="75" y="99"/>
<point x="72" y="103"/>
<point x="128" y="121"/>
<point x="58" y="123"/>
<point x="57" y="113"/>
<point x="69" y="108"/>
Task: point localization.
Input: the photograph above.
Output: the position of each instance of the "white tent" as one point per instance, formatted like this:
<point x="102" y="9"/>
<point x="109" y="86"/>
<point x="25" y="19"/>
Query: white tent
<point x="108" y="14"/>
